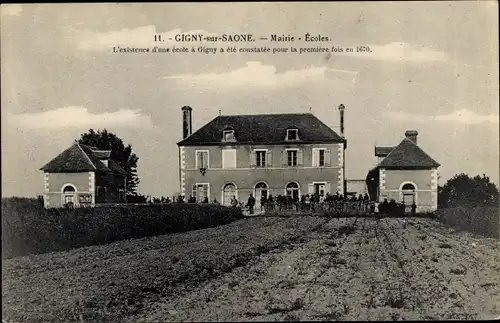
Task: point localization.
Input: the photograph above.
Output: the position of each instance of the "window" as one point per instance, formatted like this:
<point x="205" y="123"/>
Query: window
<point x="201" y="192"/>
<point x="260" y="191"/>
<point x="121" y="194"/>
<point x="319" y="188"/>
<point x="85" y="198"/>
<point x="261" y="158"/>
<point x="68" y="194"/>
<point x="408" y="186"/>
<point x="292" y="134"/>
<point x="228" y="135"/>
<point x="292" y="157"/>
<point x="202" y="159"/>
<point x="229" y="158"/>
<point x="321" y="157"/>
<point x="69" y="189"/>
<point x="292" y="190"/>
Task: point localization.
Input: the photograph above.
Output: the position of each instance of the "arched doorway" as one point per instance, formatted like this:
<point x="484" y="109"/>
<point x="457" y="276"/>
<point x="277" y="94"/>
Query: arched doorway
<point x="409" y="195"/>
<point x="228" y="192"/>
<point x="68" y="194"/>
<point x="260" y="191"/>
<point x="292" y="189"/>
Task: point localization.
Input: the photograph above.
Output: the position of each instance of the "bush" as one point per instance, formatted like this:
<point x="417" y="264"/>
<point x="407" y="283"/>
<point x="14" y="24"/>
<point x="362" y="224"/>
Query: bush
<point x="28" y="228"/>
<point x="478" y="220"/>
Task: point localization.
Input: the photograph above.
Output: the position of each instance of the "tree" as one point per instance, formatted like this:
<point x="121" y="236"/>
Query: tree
<point x="465" y="191"/>
<point x="121" y="154"/>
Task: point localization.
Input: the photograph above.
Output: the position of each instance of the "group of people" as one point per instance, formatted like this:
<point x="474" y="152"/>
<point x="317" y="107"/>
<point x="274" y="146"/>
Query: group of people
<point x="394" y="208"/>
<point x="316" y="202"/>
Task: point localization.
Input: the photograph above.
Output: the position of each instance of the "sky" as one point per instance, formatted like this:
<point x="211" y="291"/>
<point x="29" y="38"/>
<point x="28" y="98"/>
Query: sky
<point x="433" y="67"/>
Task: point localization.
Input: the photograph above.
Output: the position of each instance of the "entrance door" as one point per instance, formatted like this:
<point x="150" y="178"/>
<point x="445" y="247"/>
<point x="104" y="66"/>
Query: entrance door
<point x="292" y="190"/>
<point x="228" y="193"/>
<point x="69" y="198"/>
<point x="69" y="195"/>
<point x="319" y="189"/>
<point x="408" y="196"/>
<point x="260" y="192"/>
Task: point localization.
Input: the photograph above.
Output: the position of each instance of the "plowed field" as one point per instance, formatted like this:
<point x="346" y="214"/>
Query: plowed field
<point x="300" y="268"/>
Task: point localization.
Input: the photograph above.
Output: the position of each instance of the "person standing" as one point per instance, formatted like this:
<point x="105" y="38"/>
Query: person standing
<point x="250" y="203"/>
<point x="414" y="209"/>
<point x="234" y="202"/>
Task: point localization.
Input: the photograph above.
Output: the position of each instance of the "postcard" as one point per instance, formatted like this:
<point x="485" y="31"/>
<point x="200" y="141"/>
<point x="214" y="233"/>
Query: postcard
<point x="250" y="161"/>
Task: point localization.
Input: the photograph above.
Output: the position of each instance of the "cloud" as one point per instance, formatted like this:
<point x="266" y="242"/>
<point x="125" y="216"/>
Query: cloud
<point x="256" y="74"/>
<point x="76" y="116"/>
<point x="400" y="52"/>
<point x="11" y="10"/>
<point x="462" y="116"/>
<point x="139" y="37"/>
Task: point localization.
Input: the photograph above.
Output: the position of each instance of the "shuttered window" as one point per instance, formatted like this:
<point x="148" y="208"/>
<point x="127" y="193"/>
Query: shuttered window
<point x="261" y="158"/>
<point x="293" y="158"/>
<point x="321" y="157"/>
<point x="201" y="159"/>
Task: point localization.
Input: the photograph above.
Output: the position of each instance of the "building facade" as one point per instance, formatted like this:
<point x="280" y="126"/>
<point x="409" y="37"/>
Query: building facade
<point x="406" y="174"/>
<point x="263" y="155"/>
<point x="83" y="176"/>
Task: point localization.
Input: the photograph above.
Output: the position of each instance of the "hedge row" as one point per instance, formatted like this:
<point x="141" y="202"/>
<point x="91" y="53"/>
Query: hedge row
<point x="27" y="228"/>
<point x="481" y="220"/>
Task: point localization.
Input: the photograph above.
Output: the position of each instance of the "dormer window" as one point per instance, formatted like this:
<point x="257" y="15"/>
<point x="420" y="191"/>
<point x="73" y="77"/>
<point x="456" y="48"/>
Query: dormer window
<point x="292" y="134"/>
<point x="228" y="135"/>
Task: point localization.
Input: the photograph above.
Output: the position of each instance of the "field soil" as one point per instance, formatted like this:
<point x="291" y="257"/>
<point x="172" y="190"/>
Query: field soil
<point x="298" y="268"/>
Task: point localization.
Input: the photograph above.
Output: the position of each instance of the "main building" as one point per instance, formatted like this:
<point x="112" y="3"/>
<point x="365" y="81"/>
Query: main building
<point x="263" y="154"/>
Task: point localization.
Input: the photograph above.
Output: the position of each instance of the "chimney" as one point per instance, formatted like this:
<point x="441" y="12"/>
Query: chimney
<point x="412" y="135"/>
<point x="187" y="127"/>
<point x="341" y="109"/>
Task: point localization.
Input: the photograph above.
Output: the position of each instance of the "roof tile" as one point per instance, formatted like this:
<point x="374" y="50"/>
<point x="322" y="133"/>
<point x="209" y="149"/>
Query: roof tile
<point x="264" y="129"/>
<point x="82" y="158"/>
<point x="408" y="155"/>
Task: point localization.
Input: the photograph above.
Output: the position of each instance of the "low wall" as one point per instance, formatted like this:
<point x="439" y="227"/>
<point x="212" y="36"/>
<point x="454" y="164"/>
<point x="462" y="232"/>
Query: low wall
<point x="481" y="220"/>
